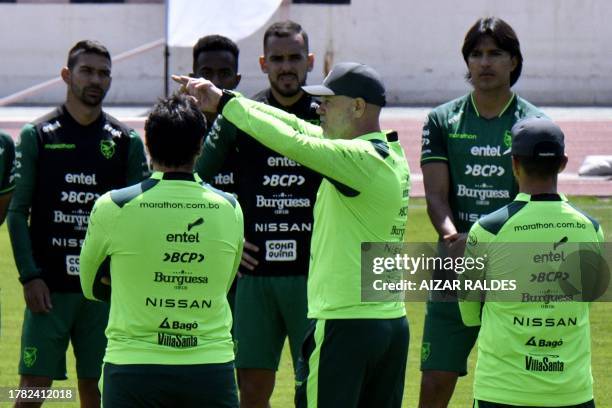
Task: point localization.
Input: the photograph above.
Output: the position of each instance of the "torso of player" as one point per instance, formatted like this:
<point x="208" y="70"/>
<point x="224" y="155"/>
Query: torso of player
<point x="75" y="165"/>
<point x="478" y="152"/>
<point x="277" y="197"/>
<point x="546" y="327"/>
<point x="177" y="243"/>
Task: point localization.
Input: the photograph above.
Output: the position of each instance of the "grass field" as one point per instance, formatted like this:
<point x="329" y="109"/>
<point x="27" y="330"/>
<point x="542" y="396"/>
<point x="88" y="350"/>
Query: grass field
<point x="419" y="230"/>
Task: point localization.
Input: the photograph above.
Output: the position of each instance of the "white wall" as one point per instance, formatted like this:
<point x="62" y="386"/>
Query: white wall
<point x="567" y="46"/>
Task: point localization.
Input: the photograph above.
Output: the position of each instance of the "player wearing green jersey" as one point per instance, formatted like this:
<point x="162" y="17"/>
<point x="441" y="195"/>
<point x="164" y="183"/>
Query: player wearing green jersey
<point x="355" y="353"/>
<point x="467" y="174"/>
<point x="173" y="245"/>
<point x="271" y="303"/>
<point x="65" y="160"/>
<point x="7" y="173"/>
<point x="546" y="357"/>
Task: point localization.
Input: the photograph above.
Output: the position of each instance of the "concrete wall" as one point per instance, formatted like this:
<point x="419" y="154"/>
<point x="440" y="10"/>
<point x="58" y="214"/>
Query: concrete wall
<point x="414" y="44"/>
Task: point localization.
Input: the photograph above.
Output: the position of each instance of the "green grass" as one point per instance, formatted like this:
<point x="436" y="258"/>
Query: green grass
<point x="419" y="230"/>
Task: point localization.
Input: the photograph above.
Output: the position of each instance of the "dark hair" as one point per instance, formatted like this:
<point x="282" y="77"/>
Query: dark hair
<point x="285" y="29"/>
<point x="215" y="43"/>
<point x="174" y="131"/>
<point x="540" y="167"/>
<point x="86" y="47"/>
<point x="503" y="35"/>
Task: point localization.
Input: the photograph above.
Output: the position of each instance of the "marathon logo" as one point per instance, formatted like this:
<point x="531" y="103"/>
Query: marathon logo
<point x="176" y="340"/>
<point x="281" y="250"/>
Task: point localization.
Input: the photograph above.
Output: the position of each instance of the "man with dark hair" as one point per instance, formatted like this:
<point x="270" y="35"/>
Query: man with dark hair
<point x="354" y="354"/>
<point x="539" y="365"/>
<point x="467" y="174"/>
<point x="277" y="195"/>
<point x="65" y="160"/>
<point x="7" y="173"/>
<point x="169" y="343"/>
<point x="215" y="58"/>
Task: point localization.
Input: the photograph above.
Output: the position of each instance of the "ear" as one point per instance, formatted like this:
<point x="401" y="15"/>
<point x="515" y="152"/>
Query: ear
<point x="310" y="59"/>
<point x="515" y="168"/>
<point x="262" y="64"/>
<point x="514" y="63"/>
<point x="359" y="107"/>
<point x="238" y="78"/>
<point x="65" y="74"/>
<point x="563" y="163"/>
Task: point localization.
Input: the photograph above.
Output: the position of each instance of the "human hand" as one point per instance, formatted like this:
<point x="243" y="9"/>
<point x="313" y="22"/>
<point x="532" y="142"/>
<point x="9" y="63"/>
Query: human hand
<point x="455" y="244"/>
<point x="204" y="93"/>
<point x="37" y="296"/>
<point x="249" y="261"/>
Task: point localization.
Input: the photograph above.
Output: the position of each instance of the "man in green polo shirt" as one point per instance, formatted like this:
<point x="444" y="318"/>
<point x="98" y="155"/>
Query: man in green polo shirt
<point x="173" y="245"/>
<point x="545" y="360"/>
<point x="355" y="353"/>
<point x="467" y="174"/>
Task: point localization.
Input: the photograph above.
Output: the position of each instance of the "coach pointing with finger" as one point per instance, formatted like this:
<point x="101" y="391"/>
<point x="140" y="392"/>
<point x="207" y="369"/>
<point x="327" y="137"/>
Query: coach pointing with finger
<point x="365" y="186"/>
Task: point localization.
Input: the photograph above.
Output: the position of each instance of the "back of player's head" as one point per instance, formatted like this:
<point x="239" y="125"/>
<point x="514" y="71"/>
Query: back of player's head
<point x="283" y="29"/>
<point x="503" y="35"/>
<point x="538" y="144"/>
<point x="174" y="131"/>
<point x="215" y="43"/>
<point x="86" y="47"/>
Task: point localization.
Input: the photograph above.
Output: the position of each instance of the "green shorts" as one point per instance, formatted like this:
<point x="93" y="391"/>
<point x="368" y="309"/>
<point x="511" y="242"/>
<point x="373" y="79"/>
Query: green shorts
<point x="45" y="337"/>
<point x="268" y="309"/>
<point x="353" y="363"/>
<point x="447" y="342"/>
<point x="485" y="404"/>
<point x="155" y="385"/>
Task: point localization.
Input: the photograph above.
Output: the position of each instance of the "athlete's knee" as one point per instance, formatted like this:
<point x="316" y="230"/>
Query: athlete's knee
<point x="256" y="387"/>
<point x="27" y="381"/>
<point x="89" y="393"/>
<point x="437" y="388"/>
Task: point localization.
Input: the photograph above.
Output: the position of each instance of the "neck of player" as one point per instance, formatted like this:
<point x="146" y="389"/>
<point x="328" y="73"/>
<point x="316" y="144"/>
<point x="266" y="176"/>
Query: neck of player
<point x="187" y="168"/>
<point x="286" y="101"/>
<point x="83" y="114"/>
<point x="533" y="186"/>
<point x="491" y="103"/>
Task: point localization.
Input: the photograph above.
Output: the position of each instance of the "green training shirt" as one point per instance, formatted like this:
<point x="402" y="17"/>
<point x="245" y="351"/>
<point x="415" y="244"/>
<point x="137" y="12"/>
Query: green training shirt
<point x="534" y="353"/>
<point x="7" y="164"/>
<point x="174" y="245"/>
<point x="477" y="151"/>
<point x="363" y="197"/>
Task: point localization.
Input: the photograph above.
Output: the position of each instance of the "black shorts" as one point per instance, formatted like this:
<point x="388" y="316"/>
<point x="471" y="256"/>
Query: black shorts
<point x="485" y="404"/>
<point x="157" y="386"/>
<point x="353" y="363"/>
